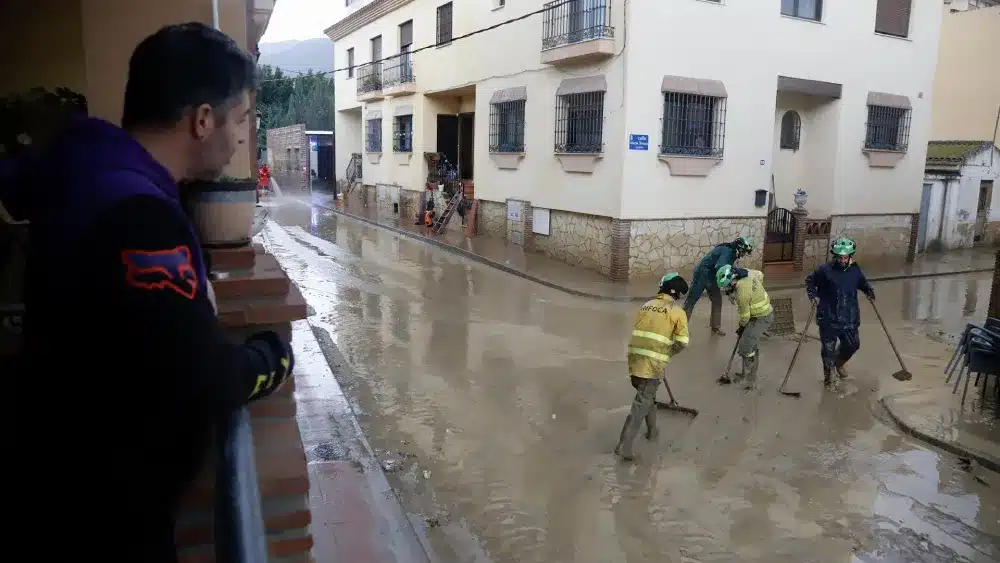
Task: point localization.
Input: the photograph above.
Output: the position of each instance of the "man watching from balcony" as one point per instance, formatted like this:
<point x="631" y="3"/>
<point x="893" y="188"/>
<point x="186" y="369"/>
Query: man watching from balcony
<point x="122" y="346"/>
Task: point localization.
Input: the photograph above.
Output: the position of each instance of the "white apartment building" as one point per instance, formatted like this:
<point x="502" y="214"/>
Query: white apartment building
<point x="629" y="136"/>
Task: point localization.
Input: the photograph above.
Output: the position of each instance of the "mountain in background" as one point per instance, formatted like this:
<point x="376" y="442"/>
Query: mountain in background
<point x="295" y="57"/>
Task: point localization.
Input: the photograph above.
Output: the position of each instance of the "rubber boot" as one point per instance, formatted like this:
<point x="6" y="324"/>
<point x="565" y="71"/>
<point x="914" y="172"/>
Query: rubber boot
<point x="841" y="370"/>
<point x="828" y="380"/>
<point x="652" y="432"/>
<point x="750" y="364"/>
<point x="629" y="431"/>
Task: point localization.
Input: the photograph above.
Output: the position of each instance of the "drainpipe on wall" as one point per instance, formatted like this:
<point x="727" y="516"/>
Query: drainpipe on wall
<point x="215" y="14"/>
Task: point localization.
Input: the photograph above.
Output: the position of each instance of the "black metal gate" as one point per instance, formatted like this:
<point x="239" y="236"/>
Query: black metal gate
<point x="780" y="237"/>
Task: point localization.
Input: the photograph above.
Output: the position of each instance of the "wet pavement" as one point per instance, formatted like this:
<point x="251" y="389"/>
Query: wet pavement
<point x="938" y="415"/>
<point x="588" y="283"/>
<point x="493" y="404"/>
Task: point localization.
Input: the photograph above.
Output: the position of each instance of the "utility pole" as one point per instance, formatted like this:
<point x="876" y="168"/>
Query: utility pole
<point x="995" y="293"/>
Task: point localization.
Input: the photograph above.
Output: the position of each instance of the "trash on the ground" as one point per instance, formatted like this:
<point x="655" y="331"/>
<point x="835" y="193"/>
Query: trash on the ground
<point x="439" y="519"/>
<point x="392" y="461"/>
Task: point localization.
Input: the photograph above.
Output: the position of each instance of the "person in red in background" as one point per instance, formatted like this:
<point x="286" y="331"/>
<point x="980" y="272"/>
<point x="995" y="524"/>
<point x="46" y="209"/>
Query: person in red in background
<point x="429" y="214"/>
<point x="263" y="180"/>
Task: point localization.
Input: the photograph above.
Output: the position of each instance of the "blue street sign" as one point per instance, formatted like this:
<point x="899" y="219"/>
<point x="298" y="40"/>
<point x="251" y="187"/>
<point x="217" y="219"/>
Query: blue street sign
<point x="638" y="142"/>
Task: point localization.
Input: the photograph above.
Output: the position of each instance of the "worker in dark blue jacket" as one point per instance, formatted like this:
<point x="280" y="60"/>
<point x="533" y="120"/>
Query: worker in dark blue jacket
<point x="833" y="290"/>
<point x="725" y="254"/>
<point x="128" y="365"/>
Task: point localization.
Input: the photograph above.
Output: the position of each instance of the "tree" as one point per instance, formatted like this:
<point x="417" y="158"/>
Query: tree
<point x="284" y="100"/>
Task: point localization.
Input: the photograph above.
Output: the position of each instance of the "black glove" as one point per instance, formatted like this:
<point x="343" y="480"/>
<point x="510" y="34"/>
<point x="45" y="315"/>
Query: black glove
<point x="739" y="331"/>
<point x="871" y="296"/>
<point x="279" y="357"/>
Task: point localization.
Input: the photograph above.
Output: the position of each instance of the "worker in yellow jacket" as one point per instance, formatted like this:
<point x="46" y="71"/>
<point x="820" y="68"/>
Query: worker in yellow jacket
<point x="756" y="315"/>
<point x="660" y="332"/>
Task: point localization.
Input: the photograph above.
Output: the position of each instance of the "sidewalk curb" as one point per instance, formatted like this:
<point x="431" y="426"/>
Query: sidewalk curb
<point x="983" y="459"/>
<point x="621" y="299"/>
<point x="403" y="539"/>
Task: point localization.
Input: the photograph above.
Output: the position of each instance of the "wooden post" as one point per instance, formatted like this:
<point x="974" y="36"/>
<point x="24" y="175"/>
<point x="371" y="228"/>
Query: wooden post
<point x="995" y="293"/>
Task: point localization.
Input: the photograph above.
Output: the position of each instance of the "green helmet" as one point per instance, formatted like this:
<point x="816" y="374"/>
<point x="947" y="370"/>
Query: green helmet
<point x="744" y="244"/>
<point x="724" y="276"/>
<point x="673" y="284"/>
<point x="844" y="247"/>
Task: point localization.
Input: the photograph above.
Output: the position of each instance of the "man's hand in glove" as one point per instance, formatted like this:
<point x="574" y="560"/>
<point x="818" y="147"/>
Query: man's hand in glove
<point x="279" y="358"/>
<point x="739" y="331"/>
<point x="871" y="297"/>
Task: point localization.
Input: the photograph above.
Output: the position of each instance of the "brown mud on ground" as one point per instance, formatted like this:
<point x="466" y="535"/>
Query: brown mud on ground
<point x="498" y="402"/>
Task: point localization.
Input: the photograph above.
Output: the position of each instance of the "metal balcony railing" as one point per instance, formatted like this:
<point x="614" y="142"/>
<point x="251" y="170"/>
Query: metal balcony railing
<point x="369" y="78"/>
<point x="239" y="520"/>
<point x="398" y="70"/>
<point x="566" y="22"/>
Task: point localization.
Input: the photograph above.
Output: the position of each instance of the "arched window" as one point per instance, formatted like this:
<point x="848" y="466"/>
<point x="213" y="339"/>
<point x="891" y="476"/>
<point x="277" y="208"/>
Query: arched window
<point x="791" y="128"/>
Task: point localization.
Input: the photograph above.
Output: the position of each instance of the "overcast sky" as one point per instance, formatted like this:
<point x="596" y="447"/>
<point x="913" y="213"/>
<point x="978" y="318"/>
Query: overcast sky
<point x="301" y="19"/>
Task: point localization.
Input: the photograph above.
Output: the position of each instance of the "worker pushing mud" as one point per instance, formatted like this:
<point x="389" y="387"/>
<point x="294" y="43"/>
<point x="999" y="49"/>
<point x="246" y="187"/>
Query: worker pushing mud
<point x="725" y="254"/>
<point x="756" y="316"/>
<point x="660" y="333"/>
<point x="833" y="289"/>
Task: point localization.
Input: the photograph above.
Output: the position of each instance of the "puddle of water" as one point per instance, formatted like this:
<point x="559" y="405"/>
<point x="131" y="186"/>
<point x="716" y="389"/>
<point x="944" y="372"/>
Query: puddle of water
<point x="509" y="397"/>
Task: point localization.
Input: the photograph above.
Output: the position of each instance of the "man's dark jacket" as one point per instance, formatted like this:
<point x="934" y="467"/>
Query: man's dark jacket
<point x="837" y="289"/>
<point x="126" y="367"/>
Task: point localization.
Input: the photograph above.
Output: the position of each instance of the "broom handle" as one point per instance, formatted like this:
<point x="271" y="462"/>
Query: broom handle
<point x="795" y="355"/>
<point x="888" y="336"/>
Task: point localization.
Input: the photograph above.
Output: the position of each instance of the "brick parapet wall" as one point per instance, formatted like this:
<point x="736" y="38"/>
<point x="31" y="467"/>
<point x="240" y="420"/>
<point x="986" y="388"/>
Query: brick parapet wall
<point x="257" y="295"/>
<point x="799" y="240"/>
<point x="288" y="155"/>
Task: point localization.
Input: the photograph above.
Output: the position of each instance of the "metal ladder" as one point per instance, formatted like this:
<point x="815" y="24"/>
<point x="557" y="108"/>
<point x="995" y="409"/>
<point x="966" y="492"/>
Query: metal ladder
<point x="442" y="221"/>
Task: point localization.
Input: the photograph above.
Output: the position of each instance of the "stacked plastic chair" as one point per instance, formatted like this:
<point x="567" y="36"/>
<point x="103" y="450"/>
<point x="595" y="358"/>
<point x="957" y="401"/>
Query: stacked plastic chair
<point x="978" y="352"/>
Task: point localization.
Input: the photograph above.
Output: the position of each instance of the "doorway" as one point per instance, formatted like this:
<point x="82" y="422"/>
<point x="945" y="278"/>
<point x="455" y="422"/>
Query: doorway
<point x="983" y="210"/>
<point x="466" y="137"/>
<point x="447" y="137"/>
<point x="779" y="237"/>
<point x="925" y="210"/>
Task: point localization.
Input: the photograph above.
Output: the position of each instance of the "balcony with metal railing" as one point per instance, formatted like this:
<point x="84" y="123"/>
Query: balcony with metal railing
<point x="397" y="76"/>
<point x="369" y="80"/>
<point x="577" y="31"/>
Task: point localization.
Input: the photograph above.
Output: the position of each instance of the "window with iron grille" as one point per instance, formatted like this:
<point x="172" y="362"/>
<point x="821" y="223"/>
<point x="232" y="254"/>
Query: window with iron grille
<point x="350" y="62"/>
<point x="507" y="126"/>
<point x="693" y="125"/>
<point x="444" y="30"/>
<point x="373" y="137"/>
<point x="571" y="21"/>
<point x="791" y="130"/>
<point x="402" y="133"/>
<point x="892" y="17"/>
<point x="888" y="128"/>
<point x="580" y="123"/>
<point x="805" y="9"/>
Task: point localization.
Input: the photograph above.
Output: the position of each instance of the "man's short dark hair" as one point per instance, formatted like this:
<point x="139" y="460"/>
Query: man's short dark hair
<point x="182" y="67"/>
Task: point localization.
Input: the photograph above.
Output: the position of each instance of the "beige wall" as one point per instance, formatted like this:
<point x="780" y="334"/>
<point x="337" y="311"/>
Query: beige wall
<point x="967" y="82"/>
<point x="86" y="44"/>
<point x="42" y="43"/>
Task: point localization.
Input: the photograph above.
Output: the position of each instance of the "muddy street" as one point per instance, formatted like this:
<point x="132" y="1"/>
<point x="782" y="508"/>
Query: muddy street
<point x="494" y="404"/>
